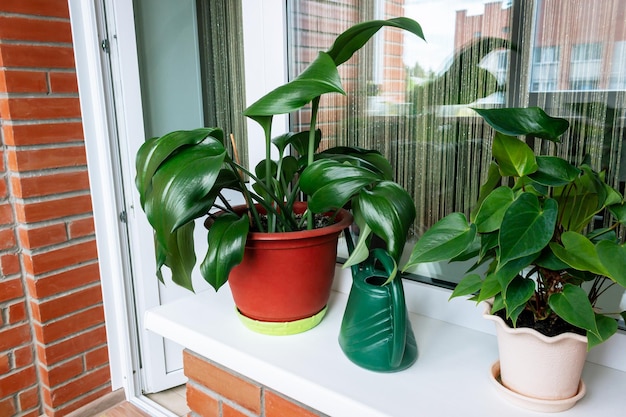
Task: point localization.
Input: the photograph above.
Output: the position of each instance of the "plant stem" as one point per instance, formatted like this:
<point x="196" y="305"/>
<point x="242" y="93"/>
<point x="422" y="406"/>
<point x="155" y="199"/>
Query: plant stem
<point x="310" y="156"/>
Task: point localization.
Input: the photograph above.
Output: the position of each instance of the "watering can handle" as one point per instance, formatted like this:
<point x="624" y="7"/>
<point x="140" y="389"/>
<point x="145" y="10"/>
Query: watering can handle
<point x="398" y="308"/>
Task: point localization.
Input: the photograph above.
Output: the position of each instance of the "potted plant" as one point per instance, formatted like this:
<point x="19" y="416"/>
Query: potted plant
<point x="532" y="228"/>
<point x="181" y="177"/>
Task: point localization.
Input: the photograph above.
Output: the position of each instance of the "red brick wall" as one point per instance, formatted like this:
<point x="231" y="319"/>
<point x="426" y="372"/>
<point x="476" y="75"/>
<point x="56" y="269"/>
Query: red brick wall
<point x="215" y="391"/>
<point x="53" y="354"/>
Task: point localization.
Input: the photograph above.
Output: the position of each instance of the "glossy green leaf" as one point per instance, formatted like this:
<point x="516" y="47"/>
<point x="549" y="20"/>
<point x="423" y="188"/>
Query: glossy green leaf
<point x="361" y="251"/>
<point x="330" y="184"/>
<point x="493" y="181"/>
<point x="365" y="158"/>
<point x="580" y="201"/>
<point x="227" y="242"/>
<point x="509" y="271"/>
<point x="517" y="294"/>
<point x="489" y="288"/>
<point x="526" y="227"/>
<point x="573" y="306"/>
<point x="469" y="285"/>
<point x="444" y="240"/>
<point x="180" y="256"/>
<point x="155" y="151"/>
<point x="299" y="141"/>
<point x="619" y="212"/>
<point x="525" y="121"/>
<point x="554" y="171"/>
<point x="607" y="327"/>
<point x="490" y="214"/>
<point x="320" y="77"/>
<point x="613" y="258"/>
<point x="355" y="37"/>
<point x="514" y="157"/>
<point x="289" y="168"/>
<point x="389" y="211"/>
<point x="181" y="186"/>
<point x="579" y="253"/>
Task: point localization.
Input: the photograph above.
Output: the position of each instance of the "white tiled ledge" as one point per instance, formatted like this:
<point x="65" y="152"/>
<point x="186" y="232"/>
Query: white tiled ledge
<point x="450" y="377"/>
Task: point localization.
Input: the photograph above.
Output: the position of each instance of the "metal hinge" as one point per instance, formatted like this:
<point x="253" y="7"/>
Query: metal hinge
<point x="123" y="216"/>
<point x="105" y="45"/>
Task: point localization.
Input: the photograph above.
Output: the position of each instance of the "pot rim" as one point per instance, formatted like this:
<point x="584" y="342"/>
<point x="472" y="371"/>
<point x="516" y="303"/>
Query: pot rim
<point x="529" y="330"/>
<point x="344" y="220"/>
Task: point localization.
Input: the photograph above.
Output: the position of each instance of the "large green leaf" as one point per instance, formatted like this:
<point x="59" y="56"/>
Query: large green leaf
<point x="509" y="271"/>
<point x="366" y="158"/>
<point x="580" y="201"/>
<point x="514" y="157"/>
<point x="155" y="151"/>
<point x="181" y="185"/>
<point x="330" y="184"/>
<point x="490" y="288"/>
<point x="443" y="241"/>
<point x="607" y="327"/>
<point x="619" y="212"/>
<point x="573" y="306"/>
<point x="361" y="251"/>
<point x="613" y="258"/>
<point x="493" y="181"/>
<point x="525" y="121"/>
<point x="227" y="242"/>
<point x="526" y="227"/>
<point x="579" y="253"/>
<point x="320" y="77"/>
<point x="355" y="37"/>
<point x="491" y="211"/>
<point x="469" y="285"/>
<point x="180" y="256"/>
<point x="518" y="292"/>
<point x="554" y="171"/>
<point x="389" y="211"/>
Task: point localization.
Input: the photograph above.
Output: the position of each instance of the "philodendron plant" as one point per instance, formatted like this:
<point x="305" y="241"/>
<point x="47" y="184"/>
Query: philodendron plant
<point x="531" y="228"/>
<point x="181" y="176"/>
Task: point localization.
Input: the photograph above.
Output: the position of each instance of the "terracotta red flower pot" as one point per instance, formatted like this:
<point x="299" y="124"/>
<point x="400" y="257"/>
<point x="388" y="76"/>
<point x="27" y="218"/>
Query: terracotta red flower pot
<point x="285" y="277"/>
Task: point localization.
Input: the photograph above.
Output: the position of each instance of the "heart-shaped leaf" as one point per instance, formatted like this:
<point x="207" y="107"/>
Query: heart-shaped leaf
<point x="613" y="258"/>
<point x="573" y="306"/>
<point x="607" y="327"/>
<point x="444" y="240"/>
<point x="526" y="227"/>
<point x="554" y="171"/>
<point x="489" y="216"/>
<point x="467" y="286"/>
<point x="579" y="253"/>
<point x="513" y="156"/>
<point x="518" y="292"/>
<point x="525" y="121"/>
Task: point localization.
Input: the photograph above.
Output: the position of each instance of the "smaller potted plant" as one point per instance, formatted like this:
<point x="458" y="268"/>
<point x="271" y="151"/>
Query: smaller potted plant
<point x="532" y="228"/>
<point x="278" y="262"/>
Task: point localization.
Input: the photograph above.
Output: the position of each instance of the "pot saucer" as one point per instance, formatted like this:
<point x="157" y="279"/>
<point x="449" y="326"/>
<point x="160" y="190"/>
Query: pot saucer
<point x="534" y="404"/>
<point x="283" y="328"/>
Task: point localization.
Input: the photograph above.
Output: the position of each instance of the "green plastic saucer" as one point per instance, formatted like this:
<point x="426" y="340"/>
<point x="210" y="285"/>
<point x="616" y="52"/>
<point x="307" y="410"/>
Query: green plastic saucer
<point x="285" y="328"/>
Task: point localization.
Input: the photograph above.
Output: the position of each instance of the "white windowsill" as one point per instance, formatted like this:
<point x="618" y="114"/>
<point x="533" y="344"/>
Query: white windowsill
<point x="449" y="378"/>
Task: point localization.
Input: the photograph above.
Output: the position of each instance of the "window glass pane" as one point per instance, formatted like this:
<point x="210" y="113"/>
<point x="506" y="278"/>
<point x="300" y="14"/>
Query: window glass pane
<point x="411" y="100"/>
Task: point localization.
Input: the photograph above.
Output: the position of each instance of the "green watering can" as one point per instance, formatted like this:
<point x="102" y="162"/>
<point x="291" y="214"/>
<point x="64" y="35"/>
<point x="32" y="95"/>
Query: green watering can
<point x="376" y="333"/>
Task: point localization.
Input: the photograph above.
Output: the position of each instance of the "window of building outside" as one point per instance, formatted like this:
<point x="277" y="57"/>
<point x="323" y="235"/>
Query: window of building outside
<point x="411" y="99"/>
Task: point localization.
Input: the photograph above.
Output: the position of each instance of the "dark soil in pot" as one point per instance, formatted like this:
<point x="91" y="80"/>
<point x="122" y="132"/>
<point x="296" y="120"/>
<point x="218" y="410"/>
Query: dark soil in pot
<point x="548" y="327"/>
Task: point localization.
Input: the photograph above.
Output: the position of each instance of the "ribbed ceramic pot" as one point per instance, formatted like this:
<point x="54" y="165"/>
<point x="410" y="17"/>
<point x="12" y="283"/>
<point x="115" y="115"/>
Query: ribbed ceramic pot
<point x="538" y="366"/>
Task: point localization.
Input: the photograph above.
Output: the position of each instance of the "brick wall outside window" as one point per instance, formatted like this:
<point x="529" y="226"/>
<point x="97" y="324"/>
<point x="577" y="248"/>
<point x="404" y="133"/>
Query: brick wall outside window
<point x="53" y="353"/>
